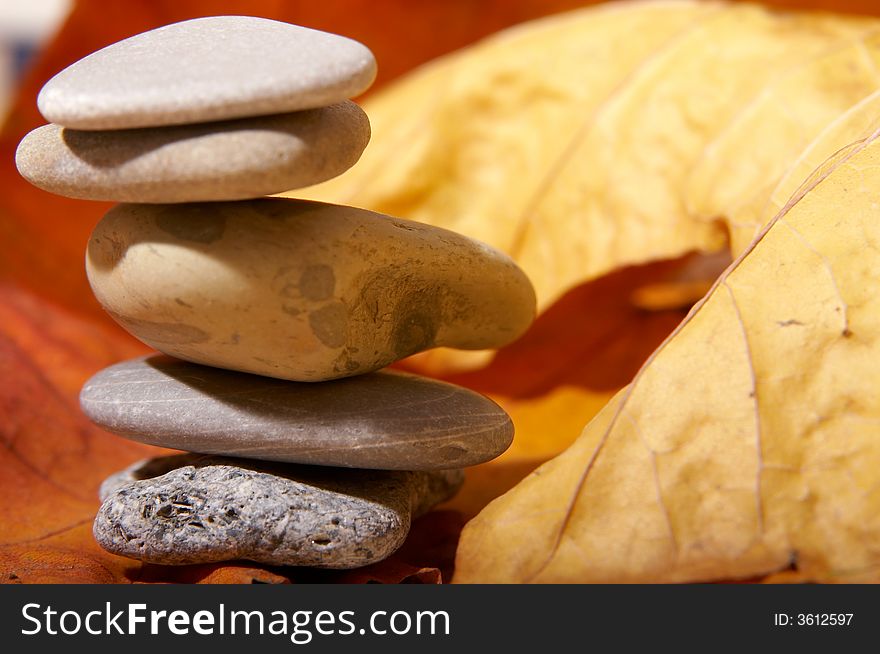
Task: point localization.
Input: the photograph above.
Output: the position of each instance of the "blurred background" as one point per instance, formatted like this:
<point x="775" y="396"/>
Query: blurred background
<point x="24" y="28"/>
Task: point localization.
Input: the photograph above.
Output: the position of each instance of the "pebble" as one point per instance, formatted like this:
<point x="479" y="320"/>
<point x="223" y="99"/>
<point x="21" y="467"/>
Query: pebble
<point x="387" y="420"/>
<point x="194" y="509"/>
<point x="300" y="290"/>
<point x="207" y="69"/>
<point x="229" y="160"/>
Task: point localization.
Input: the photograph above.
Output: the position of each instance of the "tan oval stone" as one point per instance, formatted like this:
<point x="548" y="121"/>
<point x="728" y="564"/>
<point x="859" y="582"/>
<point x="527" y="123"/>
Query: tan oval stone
<point x="300" y="290"/>
<point x="207" y="69"/>
<point x="226" y="160"/>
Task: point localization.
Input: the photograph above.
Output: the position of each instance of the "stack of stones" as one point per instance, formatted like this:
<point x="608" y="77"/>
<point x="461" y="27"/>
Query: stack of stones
<point x="272" y="315"/>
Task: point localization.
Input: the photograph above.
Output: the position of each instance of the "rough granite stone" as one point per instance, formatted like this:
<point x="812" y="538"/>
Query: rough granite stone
<point x="385" y="420"/>
<point x="193" y="509"/>
<point x="207" y="69"/>
<point x="228" y="160"/>
<point x="300" y="290"/>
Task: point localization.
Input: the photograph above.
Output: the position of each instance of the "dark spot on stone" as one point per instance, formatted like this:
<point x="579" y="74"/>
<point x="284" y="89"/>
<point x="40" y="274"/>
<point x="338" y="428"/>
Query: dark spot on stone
<point x="124" y="535"/>
<point x="346" y="363"/>
<point x="165" y="333"/>
<point x="13" y="576"/>
<point x="280" y="208"/>
<point x="317" y="282"/>
<point x="405" y="309"/>
<point x="452" y="453"/>
<point x="182" y="303"/>
<point x="165" y="511"/>
<point x="330" y="323"/>
<point x="291" y="310"/>
<point x="289" y="290"/>
<point x="106" y="252"/>
<point x="847" y="333"/>
<point x="416" y="321"/>
<point x="201" y="223"/>
<point x="321" y="540"/>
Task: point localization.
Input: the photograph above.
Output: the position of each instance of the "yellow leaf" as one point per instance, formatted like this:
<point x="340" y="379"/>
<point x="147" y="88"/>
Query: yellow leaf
<point x="748" y="172"/>
<point x="572" y="360"/>
<point x="571" y="142"/>
<point x="545" y="426"/>
<point x="471" y="141"/>
<point x="748" y="443"/>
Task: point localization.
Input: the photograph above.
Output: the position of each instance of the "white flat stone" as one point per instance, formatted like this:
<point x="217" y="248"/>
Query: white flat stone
<point x="207" y="69"/>
<point x="227" y="160"/>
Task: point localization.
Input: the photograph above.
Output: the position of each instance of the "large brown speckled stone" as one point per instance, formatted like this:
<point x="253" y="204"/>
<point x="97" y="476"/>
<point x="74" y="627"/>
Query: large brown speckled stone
<point x="300" y="290"/>
<point x="388" y="420"/>
<point x="194" y="509"/>
<point x="207" y="69"/>
<point x="227" y="160"/>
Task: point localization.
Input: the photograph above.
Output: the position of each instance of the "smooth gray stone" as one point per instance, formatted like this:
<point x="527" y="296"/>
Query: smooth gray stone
<point x="227" y="160"/>
<point x="195" y="509"/>
<point x="383" y="420"/>
<point x="207" y="69"/>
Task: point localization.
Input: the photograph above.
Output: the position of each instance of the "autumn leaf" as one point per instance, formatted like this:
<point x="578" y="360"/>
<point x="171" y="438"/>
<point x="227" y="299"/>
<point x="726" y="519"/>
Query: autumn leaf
<point x="567" y="366"/>
<point x="755" y="209"/>
<point x="709" y="128"/>
<point x="52" y="459"/>
<point x="577" y="149"/>
<point x="747" y="444"/>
